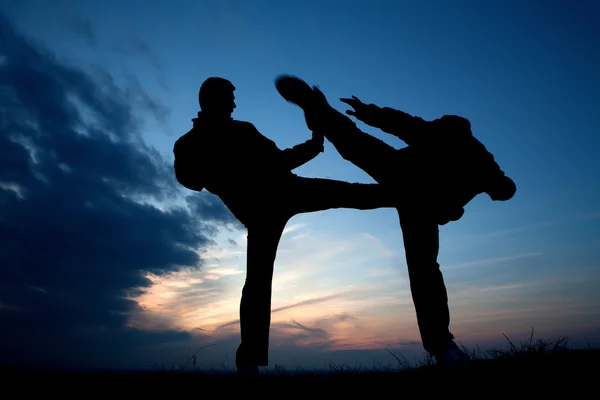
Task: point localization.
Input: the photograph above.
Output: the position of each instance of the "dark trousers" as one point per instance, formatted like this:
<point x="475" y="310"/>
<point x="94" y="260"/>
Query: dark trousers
<point x="398" y="170"/>
<point x="265" y="218"/>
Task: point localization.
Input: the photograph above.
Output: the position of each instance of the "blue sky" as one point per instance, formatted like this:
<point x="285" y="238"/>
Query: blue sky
<point x="523" y="72"/>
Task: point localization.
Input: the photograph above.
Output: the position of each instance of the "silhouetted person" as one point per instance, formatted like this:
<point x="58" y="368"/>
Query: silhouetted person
<point x="253" y="178"/>
<point x="440" y="171"/>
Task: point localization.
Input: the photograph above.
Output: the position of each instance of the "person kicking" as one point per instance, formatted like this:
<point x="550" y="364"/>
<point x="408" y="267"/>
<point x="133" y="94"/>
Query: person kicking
<point x="432" y="179"/>
<point x="253" y="178"/>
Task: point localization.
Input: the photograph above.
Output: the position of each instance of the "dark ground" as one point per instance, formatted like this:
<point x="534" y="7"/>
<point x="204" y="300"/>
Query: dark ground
<point x="569" y="372"/>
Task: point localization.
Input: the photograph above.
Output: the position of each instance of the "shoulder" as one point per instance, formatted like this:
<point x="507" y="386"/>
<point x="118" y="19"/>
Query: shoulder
<point x="183" y="142"/>
<point x="243" y="125"/>
<point x="455" y="120"/>
<point x="248" y="130"/>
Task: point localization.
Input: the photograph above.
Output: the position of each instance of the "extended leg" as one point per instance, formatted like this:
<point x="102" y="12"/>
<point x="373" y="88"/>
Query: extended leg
<point x="303" y="195"/>
<point x="365" y="151"/>
<point x="421" y="244"/>
<point x="378" y="159"/>
<point x="265" y="225"/>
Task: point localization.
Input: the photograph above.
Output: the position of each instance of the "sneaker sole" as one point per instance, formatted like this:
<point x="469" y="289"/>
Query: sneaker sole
<point x="295" y="90"/>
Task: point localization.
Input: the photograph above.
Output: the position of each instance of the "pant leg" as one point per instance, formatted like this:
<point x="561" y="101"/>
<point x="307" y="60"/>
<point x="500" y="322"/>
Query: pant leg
<point x="255" y="306"/>
<point x="265" y="224"/>
<point x="421" y="244"/>
<point x="304" y="195"/>
<point x="378" y="159"/>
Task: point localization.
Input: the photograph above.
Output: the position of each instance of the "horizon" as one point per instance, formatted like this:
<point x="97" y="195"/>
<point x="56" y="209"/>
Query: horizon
<point x="109" y="263"/>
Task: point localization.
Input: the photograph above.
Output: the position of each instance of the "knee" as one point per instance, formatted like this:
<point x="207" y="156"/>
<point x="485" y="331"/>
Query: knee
<point x="422" y="266"/>
<point x="257" y="287"/>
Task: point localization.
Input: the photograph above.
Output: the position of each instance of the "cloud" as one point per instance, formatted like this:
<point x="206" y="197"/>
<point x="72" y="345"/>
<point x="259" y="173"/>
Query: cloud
<point x="567" y="219"/>
<point x="313" y="276"/>
<point x="82" y="27"/>
<point x="139" y="46"/>
<point x="313" y="301"/>
<point x="295" y="305"/>
<point x="120" y="39"/>
<point x="79" y="234"/>
<point x="291" y="228"/>
<point x="127" y="42"/>
<point x="212" y="208"/>
<point x="492" y="260"/>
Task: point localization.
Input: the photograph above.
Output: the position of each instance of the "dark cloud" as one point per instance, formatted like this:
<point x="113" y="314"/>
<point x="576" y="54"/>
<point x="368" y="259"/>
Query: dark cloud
<point x="128" y="43"/>
<point x="206" y="204"/>
<point x="138" y="46"/>
<point x="82" y="27"/>
<point x="77" y="232"/>
<point x="159" y="110"/>
<point x="300" y="332"/>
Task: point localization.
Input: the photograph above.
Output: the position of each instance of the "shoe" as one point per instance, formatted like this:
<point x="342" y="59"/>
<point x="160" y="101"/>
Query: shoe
<point x="311" y="100"/>
<point x="451" y="354"/>
<point x="247" y="370"/>
<point x="295" y="90"/>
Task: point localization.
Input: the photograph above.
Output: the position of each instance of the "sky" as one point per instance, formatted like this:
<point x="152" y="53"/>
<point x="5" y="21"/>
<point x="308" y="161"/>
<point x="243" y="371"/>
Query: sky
<point x="107" y="262"/>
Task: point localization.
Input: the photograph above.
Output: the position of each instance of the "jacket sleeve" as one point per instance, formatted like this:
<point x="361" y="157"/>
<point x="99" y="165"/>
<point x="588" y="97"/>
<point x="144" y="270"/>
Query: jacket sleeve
<point x="293" y="157"/>
<point x="398" y="123"/>
<point x="302" y="153"/>
<point x="185" y="171"/>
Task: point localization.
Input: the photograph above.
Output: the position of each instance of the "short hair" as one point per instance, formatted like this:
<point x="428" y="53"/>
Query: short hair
<point x="212" y="89"/>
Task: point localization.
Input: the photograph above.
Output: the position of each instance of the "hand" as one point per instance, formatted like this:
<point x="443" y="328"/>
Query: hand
<point x="359" y="107"/>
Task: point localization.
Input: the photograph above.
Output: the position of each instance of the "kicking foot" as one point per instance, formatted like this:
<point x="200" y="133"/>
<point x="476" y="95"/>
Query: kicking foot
<point x="451" y="354"/>
<point x="295" y="90"/>
<point x="311" y="100"/>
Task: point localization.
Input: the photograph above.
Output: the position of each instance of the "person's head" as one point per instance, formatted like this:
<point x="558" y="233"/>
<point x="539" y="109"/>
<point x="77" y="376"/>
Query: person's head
<point x="216" y="97"/>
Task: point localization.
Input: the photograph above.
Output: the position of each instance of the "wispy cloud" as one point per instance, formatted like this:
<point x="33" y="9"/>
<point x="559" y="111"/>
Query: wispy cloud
<point x="307" y="302"/>
<point x="307" y="276"/>
<point x="319" y="278"/>
<point x="548" y="303"/>
<point x="493" y="260"/>
<point x="292" y="227"/>
<point x="314" y="301"/>
<point x="556" y="222"/>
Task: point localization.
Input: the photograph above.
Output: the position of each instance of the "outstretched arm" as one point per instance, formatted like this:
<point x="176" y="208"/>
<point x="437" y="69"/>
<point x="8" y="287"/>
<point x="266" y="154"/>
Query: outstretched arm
<point x="396" y="122"/>
<point x="302" y="153"/>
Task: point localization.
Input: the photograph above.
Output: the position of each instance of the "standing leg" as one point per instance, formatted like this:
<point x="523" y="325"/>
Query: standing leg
<point x="255" y="306"/>
<point x="421" y="244"/>
<point x="265" y="226"/>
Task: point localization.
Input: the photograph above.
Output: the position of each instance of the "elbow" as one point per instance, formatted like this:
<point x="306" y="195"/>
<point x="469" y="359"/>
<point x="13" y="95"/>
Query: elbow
<point x="187" y="177"/>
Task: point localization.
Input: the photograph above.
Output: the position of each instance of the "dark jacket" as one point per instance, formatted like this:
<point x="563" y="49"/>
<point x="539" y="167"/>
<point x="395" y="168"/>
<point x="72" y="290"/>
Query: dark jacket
<point x="233" y="160"/>
<point x="446" y="152"/>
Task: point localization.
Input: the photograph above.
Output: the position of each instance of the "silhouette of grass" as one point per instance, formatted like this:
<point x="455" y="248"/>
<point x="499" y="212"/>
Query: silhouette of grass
<point x="542" y="365"/>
